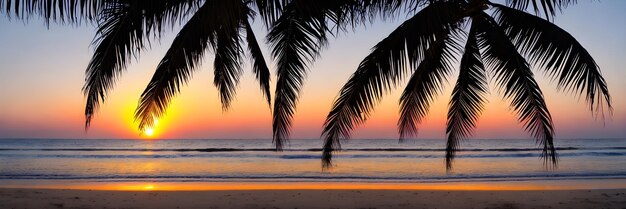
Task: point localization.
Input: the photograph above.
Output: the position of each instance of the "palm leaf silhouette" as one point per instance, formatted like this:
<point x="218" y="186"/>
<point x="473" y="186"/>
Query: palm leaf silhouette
<point x="425" y="82"/>
<point x="122" y="35"/>
<point x="558" y="52"/>
<point x="548" y="7"/>
<point x="513" y="74"/>
<point x="227" y="64"/>
<point x="424" y="47"/>
<point x="177" y="65"/>
<point x="499" y="44"/>
<point x="297" y="37"/>
<point x="381" y="70"/>
<point x="63" y="11"/>
<point x="467" y="98"/>
<point x="261" y="71"/>
<point x="295" y="42"/>
<point x="126" y="27"/>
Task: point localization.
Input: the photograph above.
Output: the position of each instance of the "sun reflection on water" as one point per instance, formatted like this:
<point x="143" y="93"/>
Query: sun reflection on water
<point x="459" y="186"/>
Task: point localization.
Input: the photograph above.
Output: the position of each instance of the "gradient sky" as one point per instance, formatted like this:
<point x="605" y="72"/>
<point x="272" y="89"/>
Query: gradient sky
<point x="42" y="72"/>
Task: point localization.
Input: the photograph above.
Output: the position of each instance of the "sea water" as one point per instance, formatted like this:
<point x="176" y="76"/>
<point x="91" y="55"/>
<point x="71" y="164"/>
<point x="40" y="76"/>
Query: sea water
<point x="253" y="160"/>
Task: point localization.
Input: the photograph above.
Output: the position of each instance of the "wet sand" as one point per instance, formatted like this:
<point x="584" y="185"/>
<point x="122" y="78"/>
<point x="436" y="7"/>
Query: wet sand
<point x="83" y="199"/>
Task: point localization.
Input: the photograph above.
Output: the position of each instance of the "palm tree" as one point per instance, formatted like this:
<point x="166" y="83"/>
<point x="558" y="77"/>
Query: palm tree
<point x="501" y="38"/>
<point x="126" y="27"/>
<point x="424" y="45"/>
<point x="297" y="37"/>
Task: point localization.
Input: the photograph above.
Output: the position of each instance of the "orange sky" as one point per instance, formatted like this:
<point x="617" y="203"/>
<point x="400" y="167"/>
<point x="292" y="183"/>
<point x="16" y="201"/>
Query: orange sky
<point x="41" y="74"/>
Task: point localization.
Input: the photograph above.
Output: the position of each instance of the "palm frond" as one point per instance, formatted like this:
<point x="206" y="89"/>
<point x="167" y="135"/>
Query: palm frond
<point x="259" y="66"/>
<point x="344" y="13"/>
<point x="227" y="65"/>
<point x="297" y="38"/>
<point x="270" y="10"/>
<point x="467" y="99"/>
<point x="71" y="11"/>
<point x="228" y="50"/>
<point x="425" y="83"/>
<point x="548" y="7"/>
<point x="557" y="52"/>
<point x="382" y="69"/>
<point x="165" y="13"/>
<point x="122" y="34"/>
<point x="513" y="74"/>
<point x="178" y="64"/>
<point x="295" y="42"/>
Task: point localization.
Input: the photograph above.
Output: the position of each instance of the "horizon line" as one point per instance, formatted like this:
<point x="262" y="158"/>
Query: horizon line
<point x="405" y="140"/>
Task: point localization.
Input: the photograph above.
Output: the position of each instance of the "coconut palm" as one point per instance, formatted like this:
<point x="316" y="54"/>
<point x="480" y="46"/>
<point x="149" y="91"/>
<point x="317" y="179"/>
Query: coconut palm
<point x="503" y="40"/>
<point x="126" y="27"/>
<point x="298" y="36"/>
<point x="424" y="46"/>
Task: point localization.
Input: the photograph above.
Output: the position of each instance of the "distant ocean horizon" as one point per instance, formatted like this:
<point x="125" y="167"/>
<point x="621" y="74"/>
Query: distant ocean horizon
<point x="253" y="160"/>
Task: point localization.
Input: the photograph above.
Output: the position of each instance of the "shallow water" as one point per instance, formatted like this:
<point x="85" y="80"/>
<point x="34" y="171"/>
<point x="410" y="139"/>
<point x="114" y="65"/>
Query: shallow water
<point x="484" y="160"/>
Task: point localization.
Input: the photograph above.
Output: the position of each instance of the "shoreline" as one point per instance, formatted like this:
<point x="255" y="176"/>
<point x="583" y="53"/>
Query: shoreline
<point x="155" y="185"/>
<point x="64" y="198"/>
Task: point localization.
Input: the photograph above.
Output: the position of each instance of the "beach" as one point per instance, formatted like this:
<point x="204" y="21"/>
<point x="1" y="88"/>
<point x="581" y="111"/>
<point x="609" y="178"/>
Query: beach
<point x="187" y="174"/>
<point x="285" y="104"/>
<point x="61" y="198"/>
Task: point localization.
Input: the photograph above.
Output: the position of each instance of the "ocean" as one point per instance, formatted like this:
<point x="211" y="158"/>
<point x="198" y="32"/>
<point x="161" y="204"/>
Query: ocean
<point x="253" y="160"/>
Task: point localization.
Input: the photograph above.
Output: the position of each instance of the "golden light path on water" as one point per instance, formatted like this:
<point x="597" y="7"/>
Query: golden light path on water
<point x="448" y="186"/>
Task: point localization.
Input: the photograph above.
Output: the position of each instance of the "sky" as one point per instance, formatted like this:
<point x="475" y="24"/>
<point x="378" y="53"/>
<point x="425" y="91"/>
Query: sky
<point x="42" y="72"/>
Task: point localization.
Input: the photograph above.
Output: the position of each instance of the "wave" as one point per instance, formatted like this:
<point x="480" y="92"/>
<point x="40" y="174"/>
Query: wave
<point x="304" y="156"/>
<point x="301" y="150"/>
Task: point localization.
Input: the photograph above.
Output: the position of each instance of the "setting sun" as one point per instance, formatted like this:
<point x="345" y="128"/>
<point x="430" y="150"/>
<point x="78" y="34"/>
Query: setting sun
<point x="149" y="131"/>
<point x="312" y="104"/>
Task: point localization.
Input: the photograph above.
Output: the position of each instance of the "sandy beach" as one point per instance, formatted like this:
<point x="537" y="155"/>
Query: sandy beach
<point x="56" y="198"/>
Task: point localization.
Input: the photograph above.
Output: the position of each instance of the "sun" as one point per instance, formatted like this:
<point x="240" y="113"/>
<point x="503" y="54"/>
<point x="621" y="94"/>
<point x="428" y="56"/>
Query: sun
<point x="149" y="131"/>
